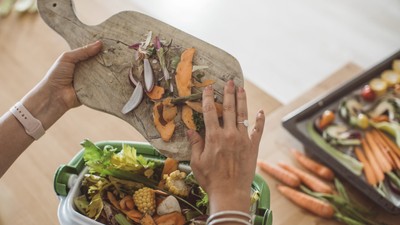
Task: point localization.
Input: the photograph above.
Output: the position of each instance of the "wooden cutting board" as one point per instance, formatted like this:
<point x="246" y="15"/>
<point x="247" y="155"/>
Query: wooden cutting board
<point x="102" y="83"/>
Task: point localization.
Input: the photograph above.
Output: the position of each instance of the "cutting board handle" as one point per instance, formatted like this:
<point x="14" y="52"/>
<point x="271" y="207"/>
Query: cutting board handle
<point x="60" y="16"/>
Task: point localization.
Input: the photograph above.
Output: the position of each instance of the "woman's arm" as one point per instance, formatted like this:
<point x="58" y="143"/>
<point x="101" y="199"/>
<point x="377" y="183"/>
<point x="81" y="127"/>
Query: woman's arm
<point x="47" y="102"/>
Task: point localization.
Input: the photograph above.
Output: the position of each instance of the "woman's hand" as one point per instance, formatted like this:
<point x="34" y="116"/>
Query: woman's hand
<point x="55" y="94"/>
<point x="224" y="163"/>
<point x="59" y="79"/>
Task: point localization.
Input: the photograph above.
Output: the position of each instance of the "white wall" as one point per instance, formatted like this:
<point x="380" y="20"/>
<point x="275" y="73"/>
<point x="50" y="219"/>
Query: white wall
<point x="287" y="46"/>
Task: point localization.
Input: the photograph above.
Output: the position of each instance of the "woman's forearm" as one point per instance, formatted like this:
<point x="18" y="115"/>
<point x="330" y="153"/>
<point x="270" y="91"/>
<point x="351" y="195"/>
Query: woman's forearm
<point x="44" y="107"/>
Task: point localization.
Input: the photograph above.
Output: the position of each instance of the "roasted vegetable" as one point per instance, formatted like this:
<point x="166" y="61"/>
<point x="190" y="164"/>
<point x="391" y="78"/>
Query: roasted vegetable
<point x="175" y="183"/>
<point x="341" y="135"/>
<point x="390" y="77"/>
<point x="145" y="200"/>
<point x="349" y="109"/>
<point x="326" y="118"/>
<point x="367" y="93"/>
<point x="379" y="86"/>
<point x="183" y="75"/>
<point x="347" y="161"/>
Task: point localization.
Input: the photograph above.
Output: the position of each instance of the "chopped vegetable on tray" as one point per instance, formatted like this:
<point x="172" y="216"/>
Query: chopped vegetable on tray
<point x="363" y="133"/>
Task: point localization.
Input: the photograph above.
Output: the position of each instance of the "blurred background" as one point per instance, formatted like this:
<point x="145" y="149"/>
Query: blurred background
<point x="284" y="47"/>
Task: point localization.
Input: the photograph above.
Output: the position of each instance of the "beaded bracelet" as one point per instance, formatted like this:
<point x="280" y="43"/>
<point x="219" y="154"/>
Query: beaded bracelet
<point x="213" y="218"/>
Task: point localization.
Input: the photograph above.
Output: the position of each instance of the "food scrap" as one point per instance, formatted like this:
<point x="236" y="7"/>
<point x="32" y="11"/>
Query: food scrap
<point x="118" y="188"/>
<point x="166" y="74"/>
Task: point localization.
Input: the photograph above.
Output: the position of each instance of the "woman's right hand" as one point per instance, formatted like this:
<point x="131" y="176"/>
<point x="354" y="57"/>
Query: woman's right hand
<point x="224" y="162"/>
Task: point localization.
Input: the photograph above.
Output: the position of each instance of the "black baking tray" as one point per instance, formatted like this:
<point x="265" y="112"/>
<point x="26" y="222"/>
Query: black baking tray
<point x="295" y="122"/>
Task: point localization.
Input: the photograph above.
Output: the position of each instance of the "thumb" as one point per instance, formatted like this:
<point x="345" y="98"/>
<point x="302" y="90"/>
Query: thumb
<point x="196" y="144"/>
<point x="82" y="53"/>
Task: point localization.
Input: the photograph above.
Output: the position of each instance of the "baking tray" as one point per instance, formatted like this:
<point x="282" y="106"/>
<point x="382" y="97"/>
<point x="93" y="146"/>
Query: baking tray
<point x="296" y="121"/>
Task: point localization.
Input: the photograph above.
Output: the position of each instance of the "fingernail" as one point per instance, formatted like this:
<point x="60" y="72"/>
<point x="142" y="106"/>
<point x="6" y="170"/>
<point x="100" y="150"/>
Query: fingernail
<point x="240" y="89"/>
<point x="260" y="113"/>
<point x="209" y="88"/>
<point x="231" y="83"/>
<point x="97" y="43"/>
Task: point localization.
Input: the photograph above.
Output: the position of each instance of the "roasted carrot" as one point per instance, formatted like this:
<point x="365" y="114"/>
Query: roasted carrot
<point x="379" y="175"/>
<point x="384" y="147"/>
<point x="175" y="218"/>
<point x="170" y="165"/>
<point x="369" y="173"/>
<point x="183" y="75"/>
<point x="313" y="166"/>
<point x="380" y="158"/>
<point x="280" y="174"/>
<point x="380" y="118"/>
<point x="156" y="93"/>
<point x="389" y="142"/>
<point x="327" y="118"/>
<point x="309" y="180"/>
<point x="396" y="159"/>
<point x="169" y="110"/>
<point x="187" y="117"/>
<point x="316" y="206"/>
<point x="164" y="128"/>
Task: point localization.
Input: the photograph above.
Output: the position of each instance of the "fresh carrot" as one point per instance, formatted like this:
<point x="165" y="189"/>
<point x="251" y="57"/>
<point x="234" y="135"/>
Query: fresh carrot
<point x="380" y="176"/>
<point x="389" y="142"/>
<point x="383" y="163"/>
<point x="280" y="174"/>
<point x="316" y="206"/>
<point x="313" y="166"/>
<point x="369" y="173"/>
<point x="309" y="180"/>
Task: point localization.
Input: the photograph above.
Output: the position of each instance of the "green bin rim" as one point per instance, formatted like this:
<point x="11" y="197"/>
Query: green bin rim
<point x="263" y="214"/>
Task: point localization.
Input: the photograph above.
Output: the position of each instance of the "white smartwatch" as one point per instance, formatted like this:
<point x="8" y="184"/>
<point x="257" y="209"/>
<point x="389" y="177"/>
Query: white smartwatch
<point x="33" y="127"/>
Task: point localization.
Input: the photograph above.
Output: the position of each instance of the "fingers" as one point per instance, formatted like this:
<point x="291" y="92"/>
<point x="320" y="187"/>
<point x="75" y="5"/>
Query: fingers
<point x="257" y="131"/>
<point x="209" y="111"/>
<point x="196" y="144"/>
<point x="241" y="109"/>
<point x="229" y="105"/>
<point x="82" y="53"/>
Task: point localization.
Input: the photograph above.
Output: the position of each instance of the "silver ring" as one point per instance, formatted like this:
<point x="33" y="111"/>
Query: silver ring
<point x="244" y="122"/>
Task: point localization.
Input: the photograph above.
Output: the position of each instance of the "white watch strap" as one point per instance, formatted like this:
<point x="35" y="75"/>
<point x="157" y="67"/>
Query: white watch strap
<point x="33" y="127"/>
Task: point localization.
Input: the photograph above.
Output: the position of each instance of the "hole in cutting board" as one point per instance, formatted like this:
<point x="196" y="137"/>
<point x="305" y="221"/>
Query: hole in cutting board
<point x="54" y="5"/>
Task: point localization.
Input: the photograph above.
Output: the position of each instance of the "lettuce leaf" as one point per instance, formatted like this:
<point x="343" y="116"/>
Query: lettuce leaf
<point x="122" y="164"/>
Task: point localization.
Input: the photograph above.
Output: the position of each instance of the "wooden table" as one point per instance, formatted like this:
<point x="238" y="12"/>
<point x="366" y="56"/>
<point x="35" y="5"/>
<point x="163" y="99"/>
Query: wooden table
<point x="28" y="48"/>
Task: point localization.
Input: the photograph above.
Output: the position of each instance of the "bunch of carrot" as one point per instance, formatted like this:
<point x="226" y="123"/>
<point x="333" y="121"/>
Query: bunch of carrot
<point x="309" y="190"/>
<point x="380" y="157"/>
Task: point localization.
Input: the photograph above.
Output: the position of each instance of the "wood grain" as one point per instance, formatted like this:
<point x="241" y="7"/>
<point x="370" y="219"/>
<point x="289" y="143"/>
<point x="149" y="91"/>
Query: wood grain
<point x="102" y="83"/>
<point x="28" y="48"/>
